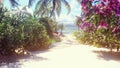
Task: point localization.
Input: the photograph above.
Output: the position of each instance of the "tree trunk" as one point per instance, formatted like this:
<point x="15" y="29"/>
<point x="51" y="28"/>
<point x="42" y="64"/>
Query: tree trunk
<point x="118" y="48"/>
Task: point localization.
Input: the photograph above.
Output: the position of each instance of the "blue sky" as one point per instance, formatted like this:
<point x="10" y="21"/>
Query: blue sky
<point x="64" y="17"/>
<point x="75" y="11"/>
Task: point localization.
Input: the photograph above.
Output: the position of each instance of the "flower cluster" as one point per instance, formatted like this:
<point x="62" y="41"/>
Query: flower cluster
<point x="101" y="6"/>
<point x="103" y="25"/>
<point x="103" y="17"/>
<point x="104" y="8"/>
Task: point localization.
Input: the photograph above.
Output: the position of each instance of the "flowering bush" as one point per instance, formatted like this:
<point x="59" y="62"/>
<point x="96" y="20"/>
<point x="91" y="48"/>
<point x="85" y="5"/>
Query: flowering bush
<point x="102" y="19"/>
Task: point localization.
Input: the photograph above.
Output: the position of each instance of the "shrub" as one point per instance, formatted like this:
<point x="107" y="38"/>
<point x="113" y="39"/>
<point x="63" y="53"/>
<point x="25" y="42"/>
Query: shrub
<point x="105" y="16"/>
<point x="21" y="32"/>
<point x="50" y="25"/>
<point x="35" y="35"/>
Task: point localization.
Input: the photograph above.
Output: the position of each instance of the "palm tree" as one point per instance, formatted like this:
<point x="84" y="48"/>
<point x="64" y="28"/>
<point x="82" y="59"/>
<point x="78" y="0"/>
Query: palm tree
<point x="61" y="27"/>
<point x="49" y="24"/>
<point x="45" y="7"/>
<point x="50" y="7"/>
<point x="24" y="11"/>
<point x="15" y="3"/>
<point x="78" y="21"/>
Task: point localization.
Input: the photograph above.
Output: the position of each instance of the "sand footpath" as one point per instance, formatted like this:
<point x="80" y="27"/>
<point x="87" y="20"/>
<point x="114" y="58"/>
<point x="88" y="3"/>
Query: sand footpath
<point x="70" y="54"/>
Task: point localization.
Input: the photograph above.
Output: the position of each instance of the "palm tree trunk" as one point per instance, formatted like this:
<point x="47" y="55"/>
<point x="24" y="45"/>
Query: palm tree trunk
<point x="61" y="32"/>
<point x="78" y="28"/>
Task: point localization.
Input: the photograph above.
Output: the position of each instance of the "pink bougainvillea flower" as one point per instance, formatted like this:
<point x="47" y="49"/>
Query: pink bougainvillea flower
<point x="118" y="22"/>
<point x="103" y="25"/>
<point x="85" y="8"/>
<point x="115" y="30"/>
<point x="83" y="19"/>
<point x="91" y="0"/>
<point x="118" y="15"/>
<point x="119" y="1"/>
<point x="104" y="0"/>
<point x="85" y="25"/>
<point x="118" y="11"/>
<point x="96" y="9"/>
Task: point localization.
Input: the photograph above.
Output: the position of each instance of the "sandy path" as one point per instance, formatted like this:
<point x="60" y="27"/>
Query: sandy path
<point x="70" y="54"/>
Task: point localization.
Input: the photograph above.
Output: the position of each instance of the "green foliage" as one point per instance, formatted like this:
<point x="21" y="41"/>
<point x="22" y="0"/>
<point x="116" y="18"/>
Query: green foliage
<point x="50" y="25"/>
<point x="17" y="32"/>
<point x="99" y="38"/>
<point x="36" y="36"/>
<point x="106" y="22"/>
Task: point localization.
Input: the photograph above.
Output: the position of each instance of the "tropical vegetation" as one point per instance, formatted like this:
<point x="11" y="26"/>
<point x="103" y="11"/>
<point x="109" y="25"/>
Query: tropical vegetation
<point x="22" y="31"/>
<point x="99" y="23"/>
<point x="18" y="32"/>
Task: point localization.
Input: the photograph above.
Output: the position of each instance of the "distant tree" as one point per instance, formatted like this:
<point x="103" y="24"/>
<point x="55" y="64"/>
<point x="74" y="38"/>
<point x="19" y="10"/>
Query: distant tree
<point x="12" y="2"/>
<point x="44" y="8"/>
<point x="15" y="3"/>
<point x="78" y="21"/>
<point x="61" y="27"/>
<point x="50" y="7"/>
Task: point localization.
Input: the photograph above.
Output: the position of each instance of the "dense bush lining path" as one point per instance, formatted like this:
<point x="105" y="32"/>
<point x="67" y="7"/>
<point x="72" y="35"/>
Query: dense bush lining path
<point x="69" y="54"/>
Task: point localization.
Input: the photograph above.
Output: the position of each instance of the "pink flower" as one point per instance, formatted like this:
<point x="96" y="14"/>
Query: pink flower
<point x="104" y="0"/>
<point x="85" y="25"/>
<point x="119" y="1"/>
<point x="103" y="25"/>
<point x="118" y="23"/>
<point x="115" y="30"/>
<point x="118" y="14"/>
<point x="96" y="9"/>
<point x="118" y="11"/>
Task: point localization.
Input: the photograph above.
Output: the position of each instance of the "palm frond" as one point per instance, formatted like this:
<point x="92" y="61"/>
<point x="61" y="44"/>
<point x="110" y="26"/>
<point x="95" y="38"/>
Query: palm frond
<point x="58" y="7"/>
<point x="30" y="3"/>
<point x="14" y="2"/>
<point x="50" y="7"/>
<point x="53" y="7"/>
<point x="66" y="5"/>
<point x="40" y="7"/>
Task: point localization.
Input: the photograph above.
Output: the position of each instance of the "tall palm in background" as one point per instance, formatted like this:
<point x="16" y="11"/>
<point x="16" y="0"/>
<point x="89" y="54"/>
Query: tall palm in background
<point x="78" y="21"/>
<point x="12" y="2"/>
<point x="45" y="8"/>
<point x="15" y="2"/>
<point x="61" y="27"/>
<point x="19" y="9"/>
<point x="50" y="7"/>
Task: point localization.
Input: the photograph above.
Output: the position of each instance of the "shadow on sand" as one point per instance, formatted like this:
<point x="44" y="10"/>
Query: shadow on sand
<point x="17" y="61"/>
<point x="108" y="55"/>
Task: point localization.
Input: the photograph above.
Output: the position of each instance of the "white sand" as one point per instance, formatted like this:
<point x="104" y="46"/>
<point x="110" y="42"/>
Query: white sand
<point x="70" y="54"/>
